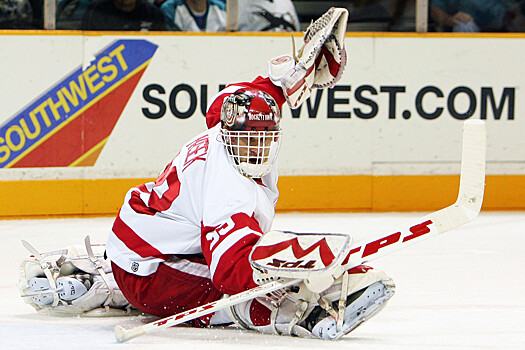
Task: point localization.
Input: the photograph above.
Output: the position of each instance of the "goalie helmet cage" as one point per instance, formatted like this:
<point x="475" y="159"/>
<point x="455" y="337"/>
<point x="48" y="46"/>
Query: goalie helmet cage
<point x="465" y="209"/>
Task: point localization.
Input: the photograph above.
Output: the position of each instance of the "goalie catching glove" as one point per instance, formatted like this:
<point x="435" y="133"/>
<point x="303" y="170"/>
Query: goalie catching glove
<point x="318" y="64"/>
<point x="71" y="282"/>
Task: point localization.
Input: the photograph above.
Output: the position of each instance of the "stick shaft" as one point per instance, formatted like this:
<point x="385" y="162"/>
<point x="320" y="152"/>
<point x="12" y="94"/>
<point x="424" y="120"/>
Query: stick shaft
<point x="123" y="335"/>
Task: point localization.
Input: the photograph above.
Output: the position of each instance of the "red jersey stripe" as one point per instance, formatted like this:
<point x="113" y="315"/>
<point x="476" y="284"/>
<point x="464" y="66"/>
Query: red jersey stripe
<point x="133" y="241"/>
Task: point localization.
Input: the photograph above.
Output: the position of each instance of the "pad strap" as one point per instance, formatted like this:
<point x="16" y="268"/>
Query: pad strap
<point x="100" y="270"/>
<point x="51" y="270"/>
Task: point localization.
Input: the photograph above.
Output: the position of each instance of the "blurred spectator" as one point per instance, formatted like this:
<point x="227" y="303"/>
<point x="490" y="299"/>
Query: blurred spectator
<point x="15" y="14"/>
<point x="268" y="15"/>
<point x="132" y="15"/>
<point x="195" y="15"/>
<point x="470" y="15"/>
<point x="38" y="14"/>
<point x="70" y="12"/>
<point x="157" y="3"/>
<point x="515" y="18"/>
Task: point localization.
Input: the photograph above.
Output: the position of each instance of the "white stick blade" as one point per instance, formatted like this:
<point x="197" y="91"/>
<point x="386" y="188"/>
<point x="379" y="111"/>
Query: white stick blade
<point x="472" y="183"/>
<point x="123" y="334"/>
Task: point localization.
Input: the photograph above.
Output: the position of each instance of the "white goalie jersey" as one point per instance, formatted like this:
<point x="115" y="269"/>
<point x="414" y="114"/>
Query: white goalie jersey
<point x="188" y="210"/>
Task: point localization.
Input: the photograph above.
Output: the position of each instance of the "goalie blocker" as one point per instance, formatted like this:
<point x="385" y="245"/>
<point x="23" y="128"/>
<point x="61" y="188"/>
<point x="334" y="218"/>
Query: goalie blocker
<point x="327" y="303"/>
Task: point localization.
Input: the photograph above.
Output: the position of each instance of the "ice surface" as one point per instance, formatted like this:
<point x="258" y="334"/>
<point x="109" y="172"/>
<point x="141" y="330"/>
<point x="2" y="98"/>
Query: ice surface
<point x="462" y="290"/>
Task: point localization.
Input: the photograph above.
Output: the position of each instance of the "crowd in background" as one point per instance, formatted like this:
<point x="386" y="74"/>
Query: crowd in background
<point x="146" y="15"/>
<point x="478" y="15"/>
<point x="263" y="15"/>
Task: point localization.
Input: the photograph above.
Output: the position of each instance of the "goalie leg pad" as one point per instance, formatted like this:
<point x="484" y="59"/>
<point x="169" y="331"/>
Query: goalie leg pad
<point x="67" y="282"/>
<point x="303" y="313"/>
<point x="362" y="306"/>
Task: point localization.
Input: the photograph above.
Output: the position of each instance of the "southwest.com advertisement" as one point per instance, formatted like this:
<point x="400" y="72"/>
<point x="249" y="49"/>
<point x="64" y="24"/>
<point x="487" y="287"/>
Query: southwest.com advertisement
<point x="109" y="107"/>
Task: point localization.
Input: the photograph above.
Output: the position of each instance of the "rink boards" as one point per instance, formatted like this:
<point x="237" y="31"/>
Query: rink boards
<point x="85" y="117"/>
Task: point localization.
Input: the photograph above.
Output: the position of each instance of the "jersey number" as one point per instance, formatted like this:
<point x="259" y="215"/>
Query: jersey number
<point x="167" y="188"/>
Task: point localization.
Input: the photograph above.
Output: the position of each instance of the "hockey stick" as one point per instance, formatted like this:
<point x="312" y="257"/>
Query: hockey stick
<point x="123" y="334"/>
<point x="464" y="210"/>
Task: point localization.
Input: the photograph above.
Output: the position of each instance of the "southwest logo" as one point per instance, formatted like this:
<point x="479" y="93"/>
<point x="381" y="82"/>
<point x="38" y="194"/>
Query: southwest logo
<point x="69" y="124"/>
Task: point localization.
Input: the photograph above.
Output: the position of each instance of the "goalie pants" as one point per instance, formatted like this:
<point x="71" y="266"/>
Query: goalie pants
<point x="180" y="283"/>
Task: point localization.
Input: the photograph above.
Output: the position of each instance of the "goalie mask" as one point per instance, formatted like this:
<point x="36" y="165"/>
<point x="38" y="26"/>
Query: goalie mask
<point x="250" y="131"/>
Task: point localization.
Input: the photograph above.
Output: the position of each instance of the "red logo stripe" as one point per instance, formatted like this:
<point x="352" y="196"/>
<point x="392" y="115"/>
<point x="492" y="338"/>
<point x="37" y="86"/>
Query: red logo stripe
<point x="84" y="132"/>
<point x="266" y="251"/>
<point x="297" y="86"/>
<point x="333" y="66"/>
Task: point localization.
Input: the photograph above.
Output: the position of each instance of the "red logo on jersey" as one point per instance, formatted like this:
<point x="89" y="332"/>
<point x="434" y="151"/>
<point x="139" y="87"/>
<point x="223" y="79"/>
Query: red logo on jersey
<point x="266" y="251"/>
<point x="197" y="150"/>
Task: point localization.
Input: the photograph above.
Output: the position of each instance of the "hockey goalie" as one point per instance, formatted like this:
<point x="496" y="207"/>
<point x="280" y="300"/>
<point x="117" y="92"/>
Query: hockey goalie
<point x="202" y="230"/>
